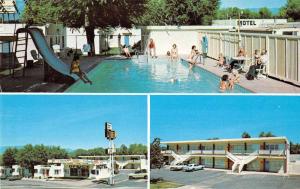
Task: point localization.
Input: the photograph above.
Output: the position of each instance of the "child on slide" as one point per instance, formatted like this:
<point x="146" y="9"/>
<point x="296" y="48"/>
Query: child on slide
<point x="75" y="69"/>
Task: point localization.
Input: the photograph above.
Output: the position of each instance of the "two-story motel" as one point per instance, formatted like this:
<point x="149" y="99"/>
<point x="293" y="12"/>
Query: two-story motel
<point x="266" y="154"/>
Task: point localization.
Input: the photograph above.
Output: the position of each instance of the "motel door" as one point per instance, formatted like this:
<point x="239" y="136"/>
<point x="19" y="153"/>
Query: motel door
<point x="267" y="165"/>
<point x="126" y="40"/>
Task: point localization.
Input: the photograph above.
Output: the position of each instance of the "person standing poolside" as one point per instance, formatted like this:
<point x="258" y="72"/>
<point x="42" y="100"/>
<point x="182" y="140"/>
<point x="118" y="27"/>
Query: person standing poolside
<point x="191" y="58"/>
<point x="174" y="53"/>
<point x="152" y="48"/>
<point x="126" y="51"/>
<point x="75" y="69"/>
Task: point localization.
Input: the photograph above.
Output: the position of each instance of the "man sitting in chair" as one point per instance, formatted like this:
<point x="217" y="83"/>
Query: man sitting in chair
<point x="257" y="69"/>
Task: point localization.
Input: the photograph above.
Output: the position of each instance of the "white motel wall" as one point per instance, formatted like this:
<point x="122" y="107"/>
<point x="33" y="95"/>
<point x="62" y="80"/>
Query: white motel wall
<point x="183" y="36"/>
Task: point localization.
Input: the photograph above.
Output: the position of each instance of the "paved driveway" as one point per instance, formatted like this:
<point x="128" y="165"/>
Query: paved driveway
<point x="224" y="180"/>
<point x="121" y="181"/>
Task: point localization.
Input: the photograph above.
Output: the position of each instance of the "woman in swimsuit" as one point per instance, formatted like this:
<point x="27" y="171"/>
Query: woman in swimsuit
<point x="152" y="48"/>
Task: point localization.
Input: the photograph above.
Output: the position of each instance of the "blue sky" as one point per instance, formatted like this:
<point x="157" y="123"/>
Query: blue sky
<point x="71" y="121"/>
<point x="203" y="117"/>
<point x="253" y="3"/>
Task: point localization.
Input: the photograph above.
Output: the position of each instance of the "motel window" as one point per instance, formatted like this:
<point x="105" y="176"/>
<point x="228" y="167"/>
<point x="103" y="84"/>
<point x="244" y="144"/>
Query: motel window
<point x="272" y="147"/>
<point x="220" y="163"/>
<point x="56" y="172"/>
<point x="111" y="37"/>
<point x="207" y="147"/>
<point x="219" y="147"/>
<point x="35" y="171"/>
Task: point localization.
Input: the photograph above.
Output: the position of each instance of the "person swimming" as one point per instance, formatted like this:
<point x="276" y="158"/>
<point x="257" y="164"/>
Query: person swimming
<point x="224" y="82"/>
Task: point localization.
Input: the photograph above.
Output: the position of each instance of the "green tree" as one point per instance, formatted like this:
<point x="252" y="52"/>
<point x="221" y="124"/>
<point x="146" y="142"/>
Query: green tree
<point x="294" y="148"/>
<point x="264" y="13"/>
<point x="90" y="14"/>
<point x="156" y="157"/>
<point x="268" y="134"/>
<point x="292" y="10"/>
<point x="155" y="14"/>
<point x="246" y="135"/>
<point x="9" y="157"/>
<point x="123" y="150"/>
<point x="26" y="157"/>
<point x="137" y="149"/>
<point x="55" y="152"/>
<point x="187" y="12"/>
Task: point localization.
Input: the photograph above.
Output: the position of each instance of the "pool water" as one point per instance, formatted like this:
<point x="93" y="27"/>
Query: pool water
<point x="156" y="76"/>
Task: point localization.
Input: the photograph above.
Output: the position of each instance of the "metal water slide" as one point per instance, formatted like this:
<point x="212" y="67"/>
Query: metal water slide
<point x="47" y="53"/>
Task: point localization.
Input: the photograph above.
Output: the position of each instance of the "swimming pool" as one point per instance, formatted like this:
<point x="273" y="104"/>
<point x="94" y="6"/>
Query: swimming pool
<point x="156" y="76"/>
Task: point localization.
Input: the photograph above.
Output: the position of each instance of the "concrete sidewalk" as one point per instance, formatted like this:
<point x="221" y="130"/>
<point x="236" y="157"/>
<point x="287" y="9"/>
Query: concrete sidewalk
<point x="267" y="85"/>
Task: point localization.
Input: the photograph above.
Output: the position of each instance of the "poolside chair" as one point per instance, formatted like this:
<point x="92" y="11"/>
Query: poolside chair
<point x="261" y="72"/>
<point x="56" y="49"/>
<point x="36" y="57"/>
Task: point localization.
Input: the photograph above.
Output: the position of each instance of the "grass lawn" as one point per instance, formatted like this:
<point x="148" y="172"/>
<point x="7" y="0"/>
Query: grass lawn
<point x="164" y="184"/>
<point x="112" y="51"/>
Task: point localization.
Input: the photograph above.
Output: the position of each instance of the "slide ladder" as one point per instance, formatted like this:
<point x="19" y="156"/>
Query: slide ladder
<point x="20" y="52"/>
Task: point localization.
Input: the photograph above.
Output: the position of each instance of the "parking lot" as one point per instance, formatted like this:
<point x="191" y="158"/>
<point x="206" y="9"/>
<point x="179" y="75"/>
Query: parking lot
<point x="121" y="181"/>
<point x="218" y="179"/>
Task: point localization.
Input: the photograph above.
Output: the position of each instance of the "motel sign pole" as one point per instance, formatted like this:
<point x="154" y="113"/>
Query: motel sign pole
<point x="110" y="135"/>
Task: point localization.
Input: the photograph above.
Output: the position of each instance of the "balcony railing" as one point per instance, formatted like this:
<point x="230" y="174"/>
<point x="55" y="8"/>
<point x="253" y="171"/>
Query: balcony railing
<point x="223" y="152"/>
<point x="272" y="152"/>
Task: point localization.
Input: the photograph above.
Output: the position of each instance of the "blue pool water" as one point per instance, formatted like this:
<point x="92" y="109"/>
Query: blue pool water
<point x="156" y="76"/>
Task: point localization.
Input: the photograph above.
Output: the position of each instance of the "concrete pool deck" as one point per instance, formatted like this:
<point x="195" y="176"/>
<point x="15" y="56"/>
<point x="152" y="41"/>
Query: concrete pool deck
<point x="33" y="81"/>
<point x="267" y="85"/>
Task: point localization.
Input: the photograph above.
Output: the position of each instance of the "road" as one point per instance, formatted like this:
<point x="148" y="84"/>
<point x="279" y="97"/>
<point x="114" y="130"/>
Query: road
<point x="121" y="181"/>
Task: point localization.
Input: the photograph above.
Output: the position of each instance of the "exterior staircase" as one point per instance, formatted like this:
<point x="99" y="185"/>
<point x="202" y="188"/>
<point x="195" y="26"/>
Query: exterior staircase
<point x="177" y="158"/>
<point x="240" y="161"/>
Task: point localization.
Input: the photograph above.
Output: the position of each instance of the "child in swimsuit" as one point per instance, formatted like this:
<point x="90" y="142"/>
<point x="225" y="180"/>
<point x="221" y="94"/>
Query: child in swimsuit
<point x="224" y="82"/>
<point x="75" y="69"/>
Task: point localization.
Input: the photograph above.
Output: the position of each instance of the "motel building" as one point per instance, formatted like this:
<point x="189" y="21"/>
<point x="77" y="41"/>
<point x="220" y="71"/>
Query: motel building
<point x="267" y="154"/>
<point x="20" y="171"/>
<point x="5" y="172"/>
<point x="41" y="171"/>
<point x="123" y="161"/>
<point x="69" y="168"/>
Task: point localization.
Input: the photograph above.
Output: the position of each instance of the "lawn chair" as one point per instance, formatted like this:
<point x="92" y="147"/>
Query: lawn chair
<point x="36" y="57"/>
<point x="56" y="49"/>
<point x="261" y="71"/>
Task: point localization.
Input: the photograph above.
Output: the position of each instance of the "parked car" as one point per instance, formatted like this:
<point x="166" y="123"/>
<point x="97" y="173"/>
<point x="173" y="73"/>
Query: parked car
<point x="193" y="167"/>
<point x="177" y="167"/>
<point x="139" y="174"/>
